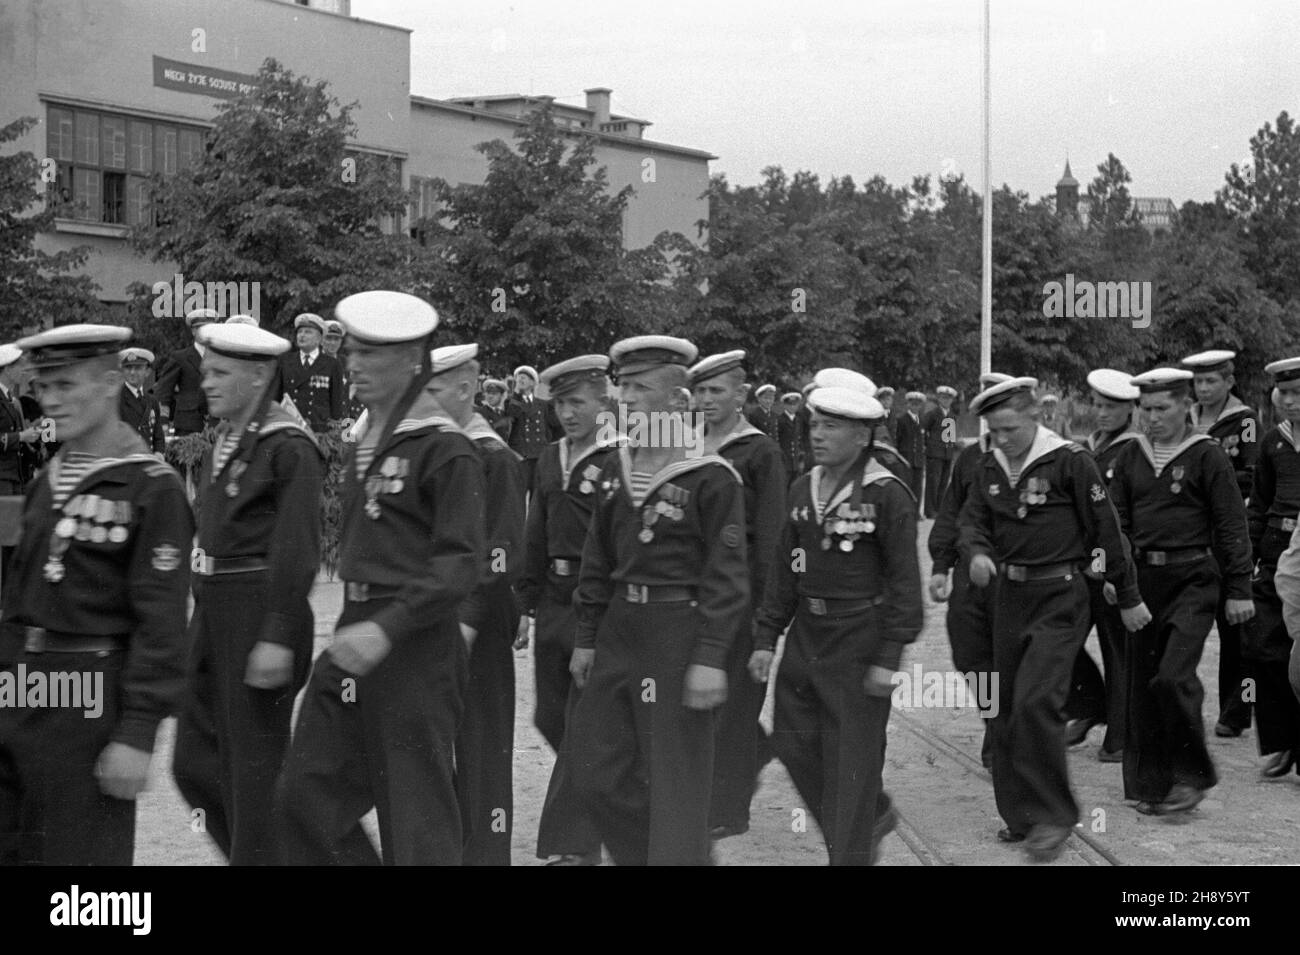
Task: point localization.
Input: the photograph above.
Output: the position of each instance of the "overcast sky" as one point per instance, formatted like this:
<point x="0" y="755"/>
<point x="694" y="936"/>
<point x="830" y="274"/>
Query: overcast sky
<point x="1174" y="88"/>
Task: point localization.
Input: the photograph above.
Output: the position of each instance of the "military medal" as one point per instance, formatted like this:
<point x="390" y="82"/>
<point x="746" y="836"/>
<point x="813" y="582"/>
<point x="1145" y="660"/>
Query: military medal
<point x="83" y="531"/>
<point x="54" y="570"/>
<point x="846" y="545"/>
<point x="585" y="487"/>
<point x="646" y="535"/>
<point x="1176" y="486"/>
<point x="117" y="534"/>
<point x="65" y="528"/>
<point x="1023" y="512"/>
<point x="826" y="543"/>
<point x="99" y="534"/>
<point x="869" y="525"/>
<point x="236" y="471"/>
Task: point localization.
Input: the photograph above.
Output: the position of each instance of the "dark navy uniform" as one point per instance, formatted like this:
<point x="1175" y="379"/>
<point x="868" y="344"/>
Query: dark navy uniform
<point x="97" y="588"/>
<point x="757" y="460"/>
<point x="485" y="742"/>
<point x="1178" y="518"/>
<point x="856" y="603"/>
<point x="791" y="436"/>
<point x="179" y="389"/>
<point x="764" y="419"/>
<point x="1238" y="431"/>
<point x="411" y="552"/>
<point x="969" y="617"/>
<point x="910" y="439"/>
<point x="317" y="389"/>
<point x="1042" y="530"/>
<point x="664" y="584"/>
<point x="533" y="426"/>
<point x="888" y="455"/>
<point x="563" y="502"/>
<point x="1266" y="645"/>
<point x="256" y="558"/>
<point x="13" y="480"/>
<point x="940" y="451"/>
<point x="143" y="413"/>
<point x="1093" y="697"/>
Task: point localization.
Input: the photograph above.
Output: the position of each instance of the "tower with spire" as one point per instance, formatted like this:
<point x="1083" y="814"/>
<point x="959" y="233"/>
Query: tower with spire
<point x="1067" y="194"/>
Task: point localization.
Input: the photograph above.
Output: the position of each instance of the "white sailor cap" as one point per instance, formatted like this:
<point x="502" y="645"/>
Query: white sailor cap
<point x="764" y="389"/>
<point x="242" y="342"/>
<point x="201" y="316"/>
<point x="386" y="318"/>
<point x="1163" y="379"/>
<point x="1112" y="384"/>
<point x="562" y="377"/>
<point x="452" y="356"/>
<point x="946" y="390"/>
<point x="528" y="370"/>
<point x="990" y="378"/>
<point x="791" y="396"/>
<point x="11" y="353"/>
<point x="631" y="356"/>
<point x="1049" y="399"/>
<point x="716" y="365"/>
<point x="884" y="391"/>
<point x="993" y="397"/>
<point x="311" y="319"/>
<point x="493" y="384"/>
<point x="243" y="320"/>
<point x="1213" y="360"/>
<point x="69" y="344"/>
<point x="844" y="378"/>
<point x="1288" y="369"/>
<point x="915" y="396"/>
<point x="842" y="402"/>
<point x="333" y="327"/>
<point x="130" y="356"/>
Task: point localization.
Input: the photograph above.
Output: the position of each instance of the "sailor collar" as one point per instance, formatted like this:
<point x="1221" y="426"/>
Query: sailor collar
<point x="743" y="429"/>
<point x="1095" y="440"/>
<point x="477" y="429"/>
<point x="1287" y="430"/>
<point x="1144" y="443"/>
<point x="666" y="474"/>
<point x="569" y="465"/>
<point x="1045" y="442"/>
<point x="1231" y="407"/>
<point x="873" y="473"/>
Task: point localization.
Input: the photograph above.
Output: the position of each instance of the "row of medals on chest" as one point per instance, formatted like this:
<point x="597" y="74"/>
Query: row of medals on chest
<point x="390" y="480"/>
<point x="850" y="524"/>
<point x="87" y="517"/>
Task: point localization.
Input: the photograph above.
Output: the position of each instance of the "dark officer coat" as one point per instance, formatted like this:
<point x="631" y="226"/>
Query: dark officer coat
<point x="144" y="416"/>
<point x="11" y="448"/>
<point x="178" y="389"/>
<point x="874" y="514"/>
<point x="910" y="438"/>
<point x="945" y="535"/>
<point x="940" y="434"/>
<point x="316" y="390"/>
<point x="125" y="572"/>
<point x="534" y="425"/>
<point x="694" y="512"/>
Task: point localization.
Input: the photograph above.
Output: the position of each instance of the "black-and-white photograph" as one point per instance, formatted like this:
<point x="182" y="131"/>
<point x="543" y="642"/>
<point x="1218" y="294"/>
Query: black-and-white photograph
<point x="486" y="433"/>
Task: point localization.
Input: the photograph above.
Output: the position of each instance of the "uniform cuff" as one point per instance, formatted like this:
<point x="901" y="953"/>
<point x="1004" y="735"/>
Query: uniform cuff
<point x="137" y="730"/>
<point x="710" y="655"/>
<point x="890" y="653"/>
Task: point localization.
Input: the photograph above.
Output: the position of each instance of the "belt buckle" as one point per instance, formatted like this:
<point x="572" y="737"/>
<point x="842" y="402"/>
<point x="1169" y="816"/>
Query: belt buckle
<point x="638" y="594"/>
<point x="34" y="639"/>
<point x="1157" y="558"/>
<point x="816" y="606"/>
<point x="1288" y="523"/>
<point x="1017" y="572"/>
<point x="206" y="566"/>
<point x="357" y="591"/>
<point x="563" y="567"/>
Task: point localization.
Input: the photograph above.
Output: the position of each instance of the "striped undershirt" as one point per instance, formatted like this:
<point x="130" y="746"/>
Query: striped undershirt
<point x="1013" y="472"/>
<point x="221" y="454"/>
<point x="365" y="455"/>
<point x="640" y="484"/>
<point x="73" y="465"/>
<point x="1161" y="454"/>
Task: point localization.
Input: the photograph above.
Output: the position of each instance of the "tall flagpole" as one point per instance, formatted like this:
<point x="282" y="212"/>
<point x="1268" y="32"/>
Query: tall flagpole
<point x="986" y="298"/>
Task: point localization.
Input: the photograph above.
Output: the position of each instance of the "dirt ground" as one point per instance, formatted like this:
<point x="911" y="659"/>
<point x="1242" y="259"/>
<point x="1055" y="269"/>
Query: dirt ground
<point x="946" y="803"/>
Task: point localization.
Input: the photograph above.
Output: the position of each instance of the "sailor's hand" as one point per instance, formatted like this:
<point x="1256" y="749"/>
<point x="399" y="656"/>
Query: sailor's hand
<point x="270" y="666"/>
<point x="940" y="587"/>
<point x="1238" y="611"/>
<point x="122" y="770"/>
<point x="1135" y="618"/>
<point x="982" y="570"/>
<point x="521" y="635"/>
<point x="359" y="647"/>
<point x="580" y="665"/>
<point x="706" y="687"/>
<point x="760" y="665"/>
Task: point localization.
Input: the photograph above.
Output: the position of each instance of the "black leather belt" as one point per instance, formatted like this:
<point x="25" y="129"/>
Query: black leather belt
<point x="564" y="567"/>
<point x="840" y="607"/>
<point x="1021" y="573"/>
<point x="214" y="566"/>
<point x="1183" y="555"/>
<point x="360" y="591"/>
<point x="40" y="640"/>
<point x="645" y="594"/>
<point x="1282" y="523"/>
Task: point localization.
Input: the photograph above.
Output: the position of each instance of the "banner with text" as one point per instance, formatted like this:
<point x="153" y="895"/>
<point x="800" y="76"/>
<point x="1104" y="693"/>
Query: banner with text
<point x="204" y="80"/>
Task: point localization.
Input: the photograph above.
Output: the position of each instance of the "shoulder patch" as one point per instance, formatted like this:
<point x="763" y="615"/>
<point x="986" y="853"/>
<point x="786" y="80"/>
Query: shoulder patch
<point x="731" y="535"/>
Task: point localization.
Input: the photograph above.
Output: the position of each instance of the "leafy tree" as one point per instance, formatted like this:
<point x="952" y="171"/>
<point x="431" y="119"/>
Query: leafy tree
<point x="36" y="287"/>
<point x="531" y="262"/>
<point x="1263" y="196"/>
<point x="279" y="199"/>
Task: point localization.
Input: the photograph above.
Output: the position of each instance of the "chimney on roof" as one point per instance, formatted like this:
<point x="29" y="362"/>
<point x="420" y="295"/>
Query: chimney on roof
<point x="598" y="103"/>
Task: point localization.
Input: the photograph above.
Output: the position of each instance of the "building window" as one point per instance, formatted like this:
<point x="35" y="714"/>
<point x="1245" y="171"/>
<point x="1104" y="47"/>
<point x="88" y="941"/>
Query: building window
<point x="104" y="160"/>
<point x="424" y="206"/>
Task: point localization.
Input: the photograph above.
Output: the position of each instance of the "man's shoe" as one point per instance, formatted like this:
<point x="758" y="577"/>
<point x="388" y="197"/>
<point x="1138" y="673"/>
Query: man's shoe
<point x="1148" y="808"/>
<point x="1182" y="798"/>
<point x="1226" y="731"/>
<point x="1044" y="842"/>
<point x="724" y="832"/>
<point x="886" y="822"/>
<point x="1006" y="835"/>
<point x="1277" y="764"/>
<point x="1076" y="731"/>
<point x="1108" y="756"/>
